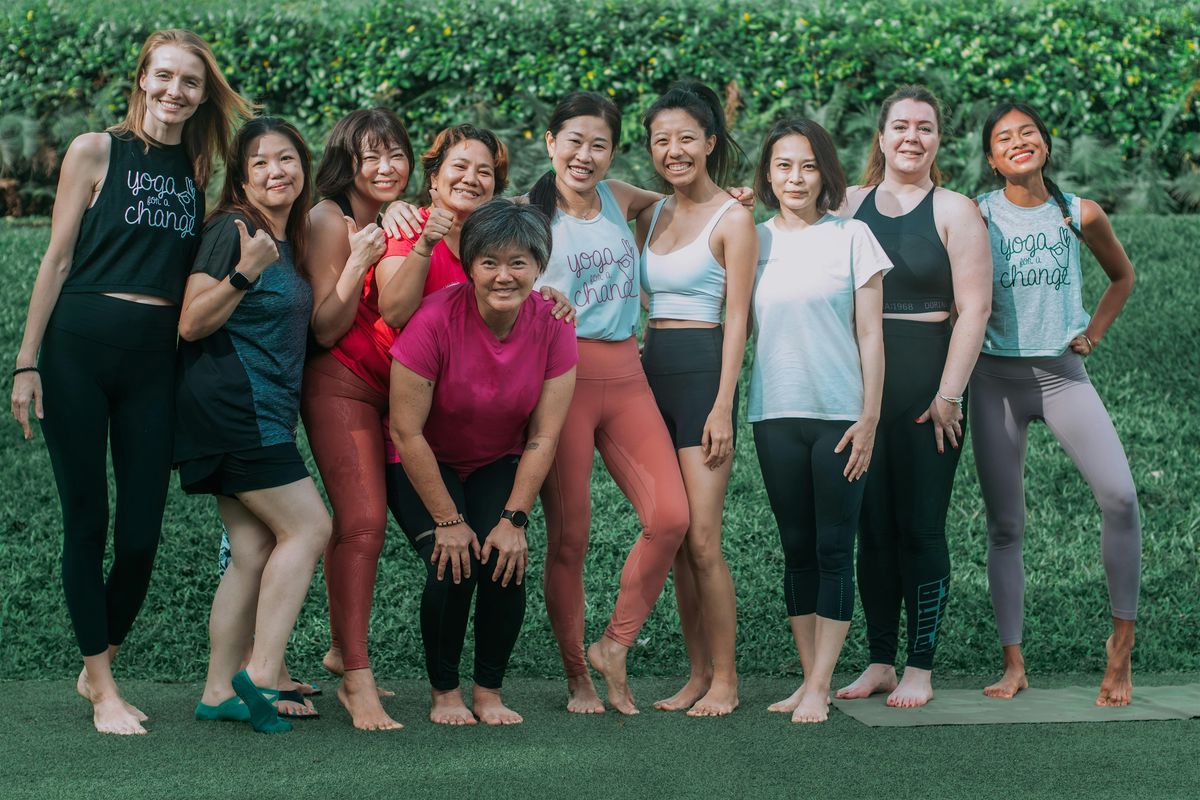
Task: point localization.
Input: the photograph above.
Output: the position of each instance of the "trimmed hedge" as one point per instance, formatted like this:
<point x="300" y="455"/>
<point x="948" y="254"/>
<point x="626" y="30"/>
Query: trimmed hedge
<point x="1125" y="73"/>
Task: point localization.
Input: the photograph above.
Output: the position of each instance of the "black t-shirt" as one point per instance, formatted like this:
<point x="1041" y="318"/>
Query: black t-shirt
<point x="239" y="387"/>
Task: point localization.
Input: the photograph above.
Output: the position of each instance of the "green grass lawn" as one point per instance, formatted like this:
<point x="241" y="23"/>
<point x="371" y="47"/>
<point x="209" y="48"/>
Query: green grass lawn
<point x="1145" y="370"/>
<point x="751" y="754"/>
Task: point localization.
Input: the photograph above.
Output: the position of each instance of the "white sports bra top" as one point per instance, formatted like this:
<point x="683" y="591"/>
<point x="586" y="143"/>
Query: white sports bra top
<point x="688" y="283"/>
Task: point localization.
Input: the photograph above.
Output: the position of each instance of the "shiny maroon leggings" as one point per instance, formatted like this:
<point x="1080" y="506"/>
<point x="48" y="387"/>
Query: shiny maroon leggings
<point x="345" y="419"/>
<point x="614" y="412"/>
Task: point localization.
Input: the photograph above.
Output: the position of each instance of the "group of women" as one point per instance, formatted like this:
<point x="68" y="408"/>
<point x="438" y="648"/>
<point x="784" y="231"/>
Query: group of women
<point x="431" y="354"/>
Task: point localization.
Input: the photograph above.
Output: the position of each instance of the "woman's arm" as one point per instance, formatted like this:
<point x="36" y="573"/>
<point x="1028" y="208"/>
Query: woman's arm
<point x="1098" y="235"/>
<point x="209" y="302"/>
<point x="633" y="200"/>
<point x="83" y="170"/>
<point x="868" y="328"/>
<point x="545" y="425"/>
<point x="971" y="272"/>
<point x="401" y="280"/>
<point x="339" y="257"/>
<point x="411" y="397"/>
<point x="737" y="241"/>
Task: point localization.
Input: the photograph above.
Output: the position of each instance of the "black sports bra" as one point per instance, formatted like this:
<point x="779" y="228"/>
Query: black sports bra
<point x="920" y="280"/>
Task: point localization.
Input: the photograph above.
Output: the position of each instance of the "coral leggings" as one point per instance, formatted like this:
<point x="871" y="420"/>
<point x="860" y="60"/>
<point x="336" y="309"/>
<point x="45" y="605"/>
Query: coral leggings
<point x="344" y="417"/>
<point x="614" y="412"/>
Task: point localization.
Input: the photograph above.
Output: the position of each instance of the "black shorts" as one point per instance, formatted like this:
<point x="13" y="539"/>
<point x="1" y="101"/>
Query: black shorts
<point x="244" y="471"/>
<point x="683" y="368"/>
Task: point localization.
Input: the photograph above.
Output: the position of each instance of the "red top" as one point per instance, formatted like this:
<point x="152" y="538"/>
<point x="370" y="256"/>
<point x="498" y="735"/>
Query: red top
<point x="485" y="389"/>
<point x="364" y="348"/>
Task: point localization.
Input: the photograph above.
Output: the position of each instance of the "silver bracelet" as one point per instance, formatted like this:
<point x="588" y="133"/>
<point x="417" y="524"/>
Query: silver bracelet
<point x="954" y="401"/>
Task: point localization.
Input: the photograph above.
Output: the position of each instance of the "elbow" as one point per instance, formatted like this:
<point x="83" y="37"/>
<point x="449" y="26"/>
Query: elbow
<point x="190" y="331"/>
<point x="325" y="338"/>
<point x="397" y="315"/>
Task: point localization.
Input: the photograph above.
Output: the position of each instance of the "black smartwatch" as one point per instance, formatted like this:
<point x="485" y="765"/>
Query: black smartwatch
<point x="239" y="281"/>
<point x="519" y="519"/>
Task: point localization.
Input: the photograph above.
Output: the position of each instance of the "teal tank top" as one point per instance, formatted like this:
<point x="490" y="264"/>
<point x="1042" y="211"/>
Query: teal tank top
<point x="594" y="263"/>
<point x="1037" y="304"/>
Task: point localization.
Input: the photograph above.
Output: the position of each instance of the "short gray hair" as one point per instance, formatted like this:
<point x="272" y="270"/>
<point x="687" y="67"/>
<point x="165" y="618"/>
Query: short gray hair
<point x="500" y="224"/>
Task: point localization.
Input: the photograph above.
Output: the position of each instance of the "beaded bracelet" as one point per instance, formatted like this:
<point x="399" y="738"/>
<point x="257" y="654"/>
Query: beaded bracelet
<point x="450" y="523"/>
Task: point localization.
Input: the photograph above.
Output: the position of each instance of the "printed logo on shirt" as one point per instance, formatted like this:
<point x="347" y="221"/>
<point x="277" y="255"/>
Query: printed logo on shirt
<point x="1036" y="260"/>
<point x="160" y="203"/>
<point x="602" y="275"/>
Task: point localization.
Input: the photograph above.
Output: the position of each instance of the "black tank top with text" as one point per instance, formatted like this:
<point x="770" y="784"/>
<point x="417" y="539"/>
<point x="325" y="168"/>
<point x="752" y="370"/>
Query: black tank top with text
<point x="141" y="234"/>
<point x="920" y="280"/>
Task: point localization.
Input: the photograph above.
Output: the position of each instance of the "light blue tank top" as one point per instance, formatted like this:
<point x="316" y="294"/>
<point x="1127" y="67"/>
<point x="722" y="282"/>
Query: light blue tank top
<point x="1037" y="305"/>
<point x="687" y="283"/>
<point x="594" y="263"/>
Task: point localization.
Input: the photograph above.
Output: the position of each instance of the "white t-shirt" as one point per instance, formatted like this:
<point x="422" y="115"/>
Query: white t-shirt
<point x="806" y="360"/>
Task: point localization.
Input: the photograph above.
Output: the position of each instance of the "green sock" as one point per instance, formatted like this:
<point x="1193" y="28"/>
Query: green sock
<point x="263" y="715"/>
<point x="232" y="710"/>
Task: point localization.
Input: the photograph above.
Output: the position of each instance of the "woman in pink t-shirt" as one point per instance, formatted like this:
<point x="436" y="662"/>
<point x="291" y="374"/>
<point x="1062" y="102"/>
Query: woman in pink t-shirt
<point x="482" y="379"/>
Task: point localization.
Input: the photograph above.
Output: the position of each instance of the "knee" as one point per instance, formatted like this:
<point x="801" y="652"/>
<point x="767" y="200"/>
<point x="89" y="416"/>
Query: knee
<point x="835" y="553"/>
<point x="706" y="558"/>
<point x="1118" y="503"/>
<point x="568" y="549"/>
<point x="668" y="523"/>
<point x="1005" y="531"/>
<point x="138" y="553"/>
<point x="314" y="535"/>
<point x="362" y="533"/>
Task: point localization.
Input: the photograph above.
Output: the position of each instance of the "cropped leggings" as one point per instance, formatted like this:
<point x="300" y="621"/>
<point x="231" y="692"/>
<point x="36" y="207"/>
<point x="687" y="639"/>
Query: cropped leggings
<point x="816" y="510"/>
<point x="345" y="419"/>
<point x="108" y="373"/>
<point x="446" y="605"/>
<point x="614" y="412"/>
<point x="902" y="555"/>
<point x="1006" y="395"/>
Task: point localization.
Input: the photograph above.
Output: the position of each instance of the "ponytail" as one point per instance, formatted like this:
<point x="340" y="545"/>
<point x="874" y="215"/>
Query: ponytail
<point x="1061" y="200"/>
<point x="705" y="107"/>
<point x="545" y="195"/>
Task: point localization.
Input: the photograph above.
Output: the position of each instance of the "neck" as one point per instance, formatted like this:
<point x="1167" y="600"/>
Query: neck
<point x="791" y="220"/>
<point x="1026" y="190"/>
<point x="697" y="192"/>
<point x="365" y="209"/>
<point x="160" y="132"/>
<point x="577" y="204"/>
<point x="277" y="220"/>
<point x="500" y="324"/>
<point x="903" y="182"/>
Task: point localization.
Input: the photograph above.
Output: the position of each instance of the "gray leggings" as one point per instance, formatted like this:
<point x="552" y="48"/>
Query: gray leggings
<point x="1006" y="395"/>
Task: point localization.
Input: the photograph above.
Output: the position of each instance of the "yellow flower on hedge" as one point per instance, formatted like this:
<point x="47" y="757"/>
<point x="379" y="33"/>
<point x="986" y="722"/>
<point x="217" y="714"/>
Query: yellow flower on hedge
<point x="746" y="17"/>
<point x="410" y="29"/>
<point x="611" y="91"/>
<point x="583" y="51"/>
<point x="446" y="31"/>
<point x="528" y="134"/>
<point x="653" y="60"/>
<point x="266" y="63"/>
<point x="591" y="75"/>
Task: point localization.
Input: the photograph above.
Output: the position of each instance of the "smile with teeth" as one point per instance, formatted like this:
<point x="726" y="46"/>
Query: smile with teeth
<point x="579" y="172"/>
<point x="679" y="166"/>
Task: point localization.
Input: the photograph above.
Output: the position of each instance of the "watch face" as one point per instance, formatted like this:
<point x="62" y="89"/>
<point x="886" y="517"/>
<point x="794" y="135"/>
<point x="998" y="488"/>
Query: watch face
<point x="519" y="518"/>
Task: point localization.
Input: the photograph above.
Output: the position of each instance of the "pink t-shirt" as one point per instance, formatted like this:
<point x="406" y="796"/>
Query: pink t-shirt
<point x="484" y="389"/>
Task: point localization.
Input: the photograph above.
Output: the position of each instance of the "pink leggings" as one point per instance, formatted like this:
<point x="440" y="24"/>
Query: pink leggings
<point x="343" y="416"/>
<point x="612" y="411"/>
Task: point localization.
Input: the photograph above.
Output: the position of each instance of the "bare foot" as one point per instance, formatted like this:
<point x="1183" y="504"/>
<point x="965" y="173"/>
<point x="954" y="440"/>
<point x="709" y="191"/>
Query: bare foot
<point x="789" y="704"/>
<point x="1116" y="689"/>
<point x="813" y="707"/>
<point x="110" y="715"/>
<point x="448" y="708"/>
<point x="696" y="687"/>
<point x="85" y="691"/>
<point x="360" y="697"/>
<point x="875" y="678"/>
<point x="491" y="708"/>
<point x="608" y="658"/>
<point x="720" y="700"/>
<point x="582" y="697"/>
<point x="332" y="662"/>
<point x="915" y="689"/>
<point x="290" y="708"/>
<point x="1012" y="681"/>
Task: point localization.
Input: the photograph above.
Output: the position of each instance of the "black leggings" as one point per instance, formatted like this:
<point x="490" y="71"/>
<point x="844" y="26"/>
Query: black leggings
<point x="107" y="370"/>
<point x="902" y="552"/>
<point x="816" y="510"/>
<point x="445" y="605"/>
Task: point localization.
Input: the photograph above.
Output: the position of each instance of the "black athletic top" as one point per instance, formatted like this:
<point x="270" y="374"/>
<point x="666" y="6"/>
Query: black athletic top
<point x="920" y="280"/>
<point x="141" y="234"/>
<point x="239" y="387"/>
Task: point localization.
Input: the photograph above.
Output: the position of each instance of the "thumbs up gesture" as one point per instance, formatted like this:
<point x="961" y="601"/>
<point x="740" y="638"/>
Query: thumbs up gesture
<point x="366" y="245"/>
<point x="258" y="251"/>
<point x="436" y="227"/>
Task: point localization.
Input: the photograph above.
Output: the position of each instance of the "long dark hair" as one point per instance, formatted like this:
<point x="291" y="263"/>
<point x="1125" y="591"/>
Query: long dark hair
<point x="833" y="177"/>
<point x="990" y="123"/>
<point x="349" y="137"/>
<point x="873" y="173"/>
<point x="544" y="193"/>
<point x="704" y="106"/>
<point x="233" y="195"/>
